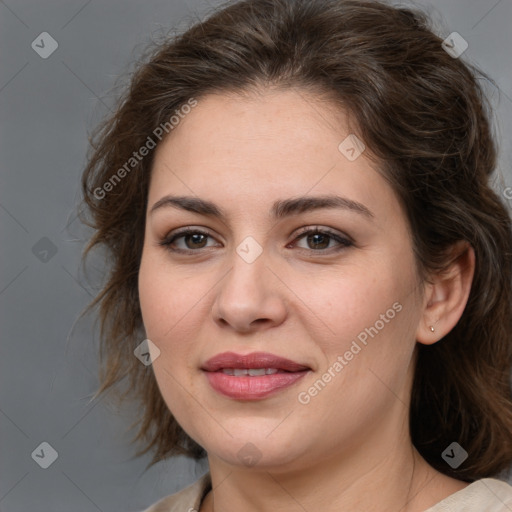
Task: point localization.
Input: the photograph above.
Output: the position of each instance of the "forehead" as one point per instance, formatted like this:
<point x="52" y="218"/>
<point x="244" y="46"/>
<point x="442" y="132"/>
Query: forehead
<point x="288" y="123"/>
<point x="264" y="146"/>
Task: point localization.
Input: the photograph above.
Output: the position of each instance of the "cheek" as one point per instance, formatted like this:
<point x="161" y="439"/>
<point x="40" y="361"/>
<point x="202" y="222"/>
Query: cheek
<point x="371" y="314"/>
<point x="174" y="305"/>
<point x="168" y="314"/>
<point x="169" y="299"/>
<point x="349" y="302"/>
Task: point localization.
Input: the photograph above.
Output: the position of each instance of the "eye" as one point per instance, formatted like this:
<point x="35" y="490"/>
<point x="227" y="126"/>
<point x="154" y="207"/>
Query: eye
<point x="192" y="239"/>
<point x="318" y="239"/>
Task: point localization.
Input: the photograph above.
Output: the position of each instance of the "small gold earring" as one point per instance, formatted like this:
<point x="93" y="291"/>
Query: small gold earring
<point x="432" y="328"/>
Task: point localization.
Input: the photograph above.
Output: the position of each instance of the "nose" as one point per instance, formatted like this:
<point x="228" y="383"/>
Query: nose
<point x="250" y="296"/>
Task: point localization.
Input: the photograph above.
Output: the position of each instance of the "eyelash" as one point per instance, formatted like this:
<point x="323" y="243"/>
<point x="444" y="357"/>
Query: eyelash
<point x="343" y="242"/>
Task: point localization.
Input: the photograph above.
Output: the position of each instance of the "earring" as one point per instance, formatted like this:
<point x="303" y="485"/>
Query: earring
<point x="432" y="328"/>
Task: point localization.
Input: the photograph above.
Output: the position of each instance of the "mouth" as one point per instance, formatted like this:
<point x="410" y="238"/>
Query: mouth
<point x="256" y="361"/>
<point x="253" y="376"/>
<point x="251" y="372"/>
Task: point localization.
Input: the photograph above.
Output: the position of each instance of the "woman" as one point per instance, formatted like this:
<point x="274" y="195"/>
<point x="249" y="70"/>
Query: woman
<point x="309" y="263"/>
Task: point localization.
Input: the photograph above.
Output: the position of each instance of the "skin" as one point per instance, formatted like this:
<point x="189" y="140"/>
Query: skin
<point x="349" y="447"/>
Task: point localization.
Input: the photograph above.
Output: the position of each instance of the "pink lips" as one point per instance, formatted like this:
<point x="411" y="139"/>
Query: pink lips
<point x="282" y="373"/>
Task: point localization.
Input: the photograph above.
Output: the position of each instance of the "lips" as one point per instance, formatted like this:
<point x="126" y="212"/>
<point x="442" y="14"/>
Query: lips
<point x="251" y="377"/>
<point x="256" y="360"/>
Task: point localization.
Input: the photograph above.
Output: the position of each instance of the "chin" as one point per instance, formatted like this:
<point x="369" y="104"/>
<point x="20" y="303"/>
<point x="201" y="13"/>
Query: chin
<point x="257" y="450"/>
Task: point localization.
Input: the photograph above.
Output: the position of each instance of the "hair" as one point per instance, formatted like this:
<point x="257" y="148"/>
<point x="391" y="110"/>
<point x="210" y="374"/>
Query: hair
<point x="425" y="117"/>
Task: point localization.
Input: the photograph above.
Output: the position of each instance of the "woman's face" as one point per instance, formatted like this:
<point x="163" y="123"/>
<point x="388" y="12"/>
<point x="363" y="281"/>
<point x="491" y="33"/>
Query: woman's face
<point x="268" y="268"/>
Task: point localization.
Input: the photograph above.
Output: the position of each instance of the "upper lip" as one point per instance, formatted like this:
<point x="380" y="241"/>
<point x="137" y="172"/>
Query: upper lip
<point x="254" y="360"/>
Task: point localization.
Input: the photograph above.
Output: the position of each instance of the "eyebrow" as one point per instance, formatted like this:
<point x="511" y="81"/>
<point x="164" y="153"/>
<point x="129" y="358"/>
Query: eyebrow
<point x="280" y="209"/>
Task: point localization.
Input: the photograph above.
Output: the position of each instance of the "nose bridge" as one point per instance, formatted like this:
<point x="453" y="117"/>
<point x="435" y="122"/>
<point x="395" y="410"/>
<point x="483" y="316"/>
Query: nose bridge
<point x="249" y="291"/>
<point x="245" y="283"/>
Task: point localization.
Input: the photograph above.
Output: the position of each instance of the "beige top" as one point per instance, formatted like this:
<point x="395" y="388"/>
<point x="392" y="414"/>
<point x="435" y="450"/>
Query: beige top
<point x="485" y="495"/>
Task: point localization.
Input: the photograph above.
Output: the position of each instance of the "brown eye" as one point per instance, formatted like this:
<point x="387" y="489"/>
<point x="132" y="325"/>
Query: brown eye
<point x="195" y="241"/>
<point x="319" y="240"/>
<point x="189" y="240"/>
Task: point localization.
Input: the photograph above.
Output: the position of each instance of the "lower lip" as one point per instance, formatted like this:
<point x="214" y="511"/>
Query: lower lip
<point x="252" y="388"/>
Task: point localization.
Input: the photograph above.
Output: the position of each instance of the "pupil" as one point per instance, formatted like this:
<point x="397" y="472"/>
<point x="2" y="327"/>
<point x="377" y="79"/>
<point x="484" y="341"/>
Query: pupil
<point x="196" y="238"/>
<point x="317" y="237"/>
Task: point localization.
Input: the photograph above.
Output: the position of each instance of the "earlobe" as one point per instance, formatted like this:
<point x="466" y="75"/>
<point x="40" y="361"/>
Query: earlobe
<point x="447" y="295"/>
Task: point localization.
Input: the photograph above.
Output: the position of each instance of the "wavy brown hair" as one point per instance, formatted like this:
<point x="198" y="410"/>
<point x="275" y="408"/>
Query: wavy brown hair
<point x="422" y="113"/>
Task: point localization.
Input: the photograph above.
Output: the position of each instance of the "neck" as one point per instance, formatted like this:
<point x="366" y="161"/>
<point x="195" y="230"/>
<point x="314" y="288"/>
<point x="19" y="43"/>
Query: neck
<point x="398" y="479"/>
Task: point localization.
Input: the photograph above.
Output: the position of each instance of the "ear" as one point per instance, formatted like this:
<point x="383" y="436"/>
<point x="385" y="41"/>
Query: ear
<point x="446" y="295"/>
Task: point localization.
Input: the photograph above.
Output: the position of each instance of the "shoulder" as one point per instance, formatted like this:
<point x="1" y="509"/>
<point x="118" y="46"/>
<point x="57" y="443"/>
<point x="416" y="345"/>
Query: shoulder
<point x="487" y="494"/>
<point x="186" y="500"/>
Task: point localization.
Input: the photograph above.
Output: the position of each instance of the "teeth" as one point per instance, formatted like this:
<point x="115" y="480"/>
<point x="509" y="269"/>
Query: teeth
<point x="256" y="372"/>
<point x="252" y="372"/>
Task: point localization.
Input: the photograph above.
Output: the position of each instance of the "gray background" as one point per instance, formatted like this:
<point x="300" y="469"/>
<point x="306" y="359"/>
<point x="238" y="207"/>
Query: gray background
<point x="48" y="364"/>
